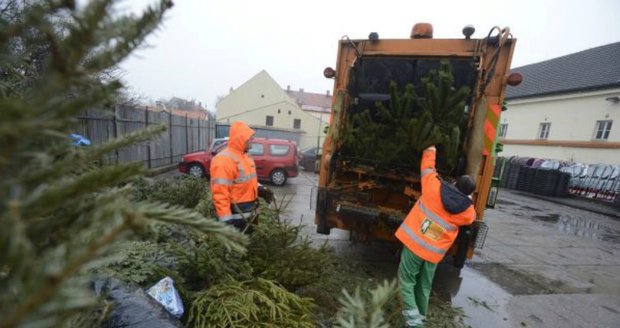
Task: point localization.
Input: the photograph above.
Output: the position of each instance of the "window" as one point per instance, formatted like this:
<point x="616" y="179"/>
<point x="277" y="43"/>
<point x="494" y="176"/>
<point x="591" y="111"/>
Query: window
<point x="297" y="124"/>
<point x="543" y="131"/>
<point x="601" y="132"/>
<point x="503" y="128"/>
<point x="279" y="150"/>
<point x="256" y="149"/>
<point x="289" y="112"/>
<point x="269" y="120"/>
<point x="278" y="110"/>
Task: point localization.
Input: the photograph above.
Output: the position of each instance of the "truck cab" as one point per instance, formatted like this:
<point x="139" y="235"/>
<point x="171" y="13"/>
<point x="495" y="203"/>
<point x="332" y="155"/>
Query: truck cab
<point x="365" y="192"/>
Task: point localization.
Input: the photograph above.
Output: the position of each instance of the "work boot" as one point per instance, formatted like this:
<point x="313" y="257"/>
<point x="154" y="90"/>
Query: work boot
<point x="413" y="318"/>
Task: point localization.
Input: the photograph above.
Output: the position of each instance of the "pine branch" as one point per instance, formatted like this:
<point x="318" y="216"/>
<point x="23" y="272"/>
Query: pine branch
<point x="357" y="311"/>
<point x="88" y="155"/>
<point x="55" y="282"/>
<point x="70" y="190"/>
<point x="164" y="213"/>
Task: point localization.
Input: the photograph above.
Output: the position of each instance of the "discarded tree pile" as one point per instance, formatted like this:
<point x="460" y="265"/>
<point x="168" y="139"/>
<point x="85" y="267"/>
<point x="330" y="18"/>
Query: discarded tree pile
<point x="394" y="136"/>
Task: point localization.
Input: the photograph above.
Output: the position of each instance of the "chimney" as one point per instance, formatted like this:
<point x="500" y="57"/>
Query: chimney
<point x="301" y="90"/>
<point x="327" y="93"/>
<point x="230" y="90"/>
<point x="288" y="88"/>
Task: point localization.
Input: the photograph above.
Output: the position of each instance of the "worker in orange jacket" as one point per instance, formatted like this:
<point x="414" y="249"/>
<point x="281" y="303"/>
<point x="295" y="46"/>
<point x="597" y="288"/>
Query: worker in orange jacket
<point x="234" y="184"/>
<point x="427" y="233"/>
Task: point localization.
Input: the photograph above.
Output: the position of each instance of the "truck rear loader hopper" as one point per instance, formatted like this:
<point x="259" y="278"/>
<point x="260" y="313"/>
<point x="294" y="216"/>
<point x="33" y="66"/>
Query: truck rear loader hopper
<point x="371" y="196"/>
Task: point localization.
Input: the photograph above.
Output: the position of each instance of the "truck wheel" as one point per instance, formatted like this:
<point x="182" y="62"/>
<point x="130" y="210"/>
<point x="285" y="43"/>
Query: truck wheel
<point x="323" y="229"/>
<point x="278" y="177"/>
<point x="196" y="170"/>
<point x="459" y="258"/>
<point x="462" y="241"/>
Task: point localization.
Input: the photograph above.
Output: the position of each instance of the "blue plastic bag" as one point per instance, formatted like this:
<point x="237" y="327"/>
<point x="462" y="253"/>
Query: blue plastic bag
<point x="165" y="293"/>
<point x="79" y="140"/>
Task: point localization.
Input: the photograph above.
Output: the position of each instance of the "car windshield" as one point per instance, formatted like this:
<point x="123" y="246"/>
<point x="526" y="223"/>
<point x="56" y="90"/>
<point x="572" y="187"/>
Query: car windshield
<point x="217" y="142"/>
<point x="217" y="148"/>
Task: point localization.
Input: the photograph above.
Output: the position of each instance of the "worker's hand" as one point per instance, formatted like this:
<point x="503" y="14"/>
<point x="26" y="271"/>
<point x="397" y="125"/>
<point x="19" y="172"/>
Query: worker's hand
<point x="431" y="148"/>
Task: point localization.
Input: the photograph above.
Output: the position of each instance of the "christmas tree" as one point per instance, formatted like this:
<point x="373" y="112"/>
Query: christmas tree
<point x="395" y="135"/>
<point x="60" y="208"/>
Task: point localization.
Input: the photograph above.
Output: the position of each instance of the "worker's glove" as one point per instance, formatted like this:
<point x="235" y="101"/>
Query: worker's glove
<point x="266" y="194"/>
<point x="224" y="220"/>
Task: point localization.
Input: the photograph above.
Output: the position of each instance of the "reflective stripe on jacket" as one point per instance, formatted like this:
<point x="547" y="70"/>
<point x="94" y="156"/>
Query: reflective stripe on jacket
<point x="429" y="230"/>
<point x="233" y="174"/>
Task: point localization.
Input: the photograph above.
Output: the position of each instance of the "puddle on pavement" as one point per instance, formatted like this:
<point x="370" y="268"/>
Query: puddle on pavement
<point x="514" y="282"/>
<point x="586" y="228"/>
<point x="581" y="227"/>
<point x="502" y="201"/>
<point x="482" y="300"/>
<point x="552" y="218"/>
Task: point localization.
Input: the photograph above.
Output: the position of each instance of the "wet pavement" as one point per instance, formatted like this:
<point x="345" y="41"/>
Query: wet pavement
<point x="543" y="264"/>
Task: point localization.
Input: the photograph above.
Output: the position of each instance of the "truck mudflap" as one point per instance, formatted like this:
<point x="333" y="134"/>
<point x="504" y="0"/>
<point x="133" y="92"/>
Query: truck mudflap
<point x="480" y="234"/>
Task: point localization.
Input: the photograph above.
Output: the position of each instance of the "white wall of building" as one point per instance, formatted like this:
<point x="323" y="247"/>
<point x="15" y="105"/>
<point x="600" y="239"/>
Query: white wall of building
<point x="573" y="118"/>
<point x="261" y="96"/>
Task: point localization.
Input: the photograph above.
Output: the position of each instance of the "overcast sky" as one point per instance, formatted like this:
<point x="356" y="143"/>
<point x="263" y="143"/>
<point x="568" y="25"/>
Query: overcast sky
<point x="206" y="47"/>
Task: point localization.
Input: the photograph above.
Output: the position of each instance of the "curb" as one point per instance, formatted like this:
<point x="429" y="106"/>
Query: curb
<point x="161" y="170"/>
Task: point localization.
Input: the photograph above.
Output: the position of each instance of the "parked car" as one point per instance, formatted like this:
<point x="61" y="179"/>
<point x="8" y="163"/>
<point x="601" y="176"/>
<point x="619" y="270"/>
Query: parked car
<point x="276" y="160"/>
<point x="309" y="158"/>
<point x="217" y="142"/>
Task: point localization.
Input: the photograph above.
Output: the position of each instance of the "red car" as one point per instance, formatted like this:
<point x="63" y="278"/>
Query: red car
<point x="276" y="160"/>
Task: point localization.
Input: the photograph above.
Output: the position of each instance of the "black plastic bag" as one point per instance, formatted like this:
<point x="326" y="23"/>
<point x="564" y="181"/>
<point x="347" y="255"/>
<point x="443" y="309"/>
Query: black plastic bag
<point x="133" y="307"/>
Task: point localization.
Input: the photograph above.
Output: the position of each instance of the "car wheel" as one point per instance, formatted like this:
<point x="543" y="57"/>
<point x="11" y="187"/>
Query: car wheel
<point x="278" y="177"/>
<point x="196" y="170"/>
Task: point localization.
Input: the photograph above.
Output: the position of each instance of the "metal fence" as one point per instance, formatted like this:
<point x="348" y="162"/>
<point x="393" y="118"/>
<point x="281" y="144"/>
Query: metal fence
<point x="184" y="134"/>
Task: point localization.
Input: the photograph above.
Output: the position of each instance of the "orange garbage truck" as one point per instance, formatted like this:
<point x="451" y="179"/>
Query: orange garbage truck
<point x="390" y="100"/>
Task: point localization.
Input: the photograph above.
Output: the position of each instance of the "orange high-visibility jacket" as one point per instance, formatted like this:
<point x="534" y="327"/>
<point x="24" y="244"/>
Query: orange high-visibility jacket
<point x="433" y="223"/>
<point x="233" y="175"/>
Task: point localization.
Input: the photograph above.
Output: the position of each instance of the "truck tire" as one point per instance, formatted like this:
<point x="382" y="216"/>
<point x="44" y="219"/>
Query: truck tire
<point x="323" y="229"/>
<point x="462" y="241"/>
<point x="321" y="211"/>
<point x="459" y="257"/>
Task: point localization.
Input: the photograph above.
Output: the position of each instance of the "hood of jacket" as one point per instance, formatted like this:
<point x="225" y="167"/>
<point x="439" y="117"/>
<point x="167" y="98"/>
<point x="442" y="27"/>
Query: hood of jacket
<point x="453" y="200"/>
<point x="239" y="134"/>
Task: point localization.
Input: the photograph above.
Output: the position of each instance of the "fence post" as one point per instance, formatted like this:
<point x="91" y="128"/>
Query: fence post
<point x="199" y="141"/>
<point x="148" y="144"/>
<point x="186" y="135"/>
<point x="115" y="124"/>
<point x="170" y="135"/>
<point x="87" y="129"/>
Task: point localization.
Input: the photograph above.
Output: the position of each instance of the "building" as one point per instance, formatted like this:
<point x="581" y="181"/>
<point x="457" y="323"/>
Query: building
<point x="265" y="106"/>
<point x="316" y="104"/>
<point x="566" y="108"/>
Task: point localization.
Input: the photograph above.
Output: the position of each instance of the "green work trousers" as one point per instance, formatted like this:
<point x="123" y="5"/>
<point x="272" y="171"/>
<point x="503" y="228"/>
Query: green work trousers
<point x="416" y="279"/>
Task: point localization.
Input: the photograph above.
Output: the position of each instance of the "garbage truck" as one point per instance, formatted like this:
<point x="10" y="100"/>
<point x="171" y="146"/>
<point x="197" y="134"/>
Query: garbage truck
<point x="388" y="94"/>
